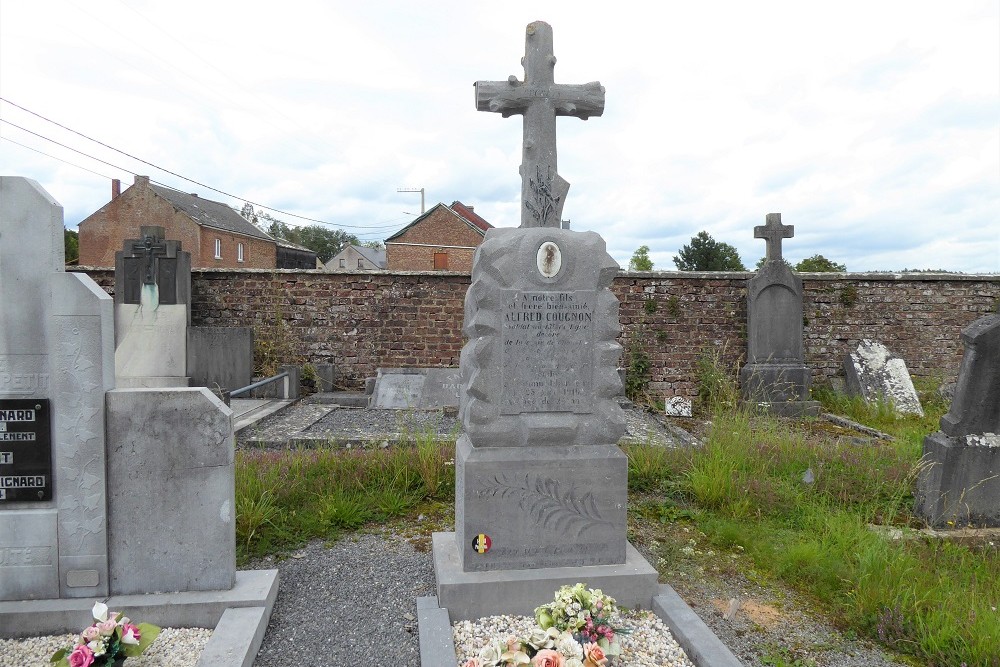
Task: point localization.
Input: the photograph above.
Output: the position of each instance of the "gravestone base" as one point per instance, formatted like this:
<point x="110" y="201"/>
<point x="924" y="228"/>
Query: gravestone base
<point x="781" y="389"/>
<point x="540" y="506"/>
<point x="959" y="481"/>
<point x="473" y="595"/>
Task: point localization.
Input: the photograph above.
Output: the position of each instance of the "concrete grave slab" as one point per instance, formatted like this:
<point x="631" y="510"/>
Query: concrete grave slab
<point x="875" y="373"/>
<point x="397" y="388"/>
<point x="171" y="495"/>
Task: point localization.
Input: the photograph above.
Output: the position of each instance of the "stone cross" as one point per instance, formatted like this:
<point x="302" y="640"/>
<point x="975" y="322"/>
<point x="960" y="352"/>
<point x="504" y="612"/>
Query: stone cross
<point x="773" y="232"/>
<point x="153" y="248"/>
<point x="539" y="100"/>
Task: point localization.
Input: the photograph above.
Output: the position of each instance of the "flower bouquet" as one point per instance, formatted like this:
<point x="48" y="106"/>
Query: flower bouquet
<point x="574" y="630"/>
<point x="108" y="641"/>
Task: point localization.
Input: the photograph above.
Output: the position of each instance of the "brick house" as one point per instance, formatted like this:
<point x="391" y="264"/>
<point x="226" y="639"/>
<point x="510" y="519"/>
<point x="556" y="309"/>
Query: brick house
<point x="215" y="234"/>
<point x="357" y="258"/>
<point x="442" y="239"/>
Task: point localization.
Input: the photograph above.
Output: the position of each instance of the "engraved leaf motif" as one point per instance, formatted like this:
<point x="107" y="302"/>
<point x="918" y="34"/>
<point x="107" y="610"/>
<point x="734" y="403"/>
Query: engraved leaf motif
<point x="84" y="364"/>
<point x="547" y="502"/>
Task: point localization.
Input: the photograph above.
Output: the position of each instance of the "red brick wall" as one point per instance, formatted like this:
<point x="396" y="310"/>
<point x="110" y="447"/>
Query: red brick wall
<point x="421" y="258"/>
<point x="360" y="321"/>
<point x="104" y="231"/>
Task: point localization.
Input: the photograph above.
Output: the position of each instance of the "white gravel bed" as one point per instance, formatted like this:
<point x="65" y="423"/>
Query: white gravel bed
<point x="174" y="647"/>
<point x="648" y="644"/>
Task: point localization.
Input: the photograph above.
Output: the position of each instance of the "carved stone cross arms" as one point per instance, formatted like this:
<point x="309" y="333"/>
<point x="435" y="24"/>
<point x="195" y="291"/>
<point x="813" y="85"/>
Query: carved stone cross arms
<point x="539" y="100"/>
<point x="772" y="233"/>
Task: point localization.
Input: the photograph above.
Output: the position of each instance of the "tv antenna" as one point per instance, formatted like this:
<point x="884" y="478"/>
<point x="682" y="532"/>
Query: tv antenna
<point x="420" y="190"/>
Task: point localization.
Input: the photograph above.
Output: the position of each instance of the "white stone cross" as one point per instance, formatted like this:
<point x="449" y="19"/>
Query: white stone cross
<point x="539" y="99"/>
<point x="773" y="232"/>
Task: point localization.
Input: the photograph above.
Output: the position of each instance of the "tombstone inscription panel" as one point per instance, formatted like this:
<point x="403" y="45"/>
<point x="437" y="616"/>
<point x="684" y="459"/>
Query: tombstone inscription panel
<point x="25" y="450"/>
<point x="547" y="363"/>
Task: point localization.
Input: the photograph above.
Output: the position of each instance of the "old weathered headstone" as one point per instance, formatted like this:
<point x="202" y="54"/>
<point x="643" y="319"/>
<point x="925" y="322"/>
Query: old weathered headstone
<point x="540" y="482"/>
<point x="56" y="362"/>
<point x="959" y="481"/>
<point x="417" y="388"/>
<point x="775" y="376"/>
<point x="152" y="314"/>
<point x="876" y="374"/>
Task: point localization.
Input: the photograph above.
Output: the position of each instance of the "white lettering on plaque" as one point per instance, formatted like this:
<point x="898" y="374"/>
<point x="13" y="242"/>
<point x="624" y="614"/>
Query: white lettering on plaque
<point x="547" y="358"/>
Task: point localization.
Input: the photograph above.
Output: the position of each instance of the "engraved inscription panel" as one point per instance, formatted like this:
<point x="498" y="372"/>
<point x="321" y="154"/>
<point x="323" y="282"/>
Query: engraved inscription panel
<point x="25" y="450"/>
<point x="547" y="358"/>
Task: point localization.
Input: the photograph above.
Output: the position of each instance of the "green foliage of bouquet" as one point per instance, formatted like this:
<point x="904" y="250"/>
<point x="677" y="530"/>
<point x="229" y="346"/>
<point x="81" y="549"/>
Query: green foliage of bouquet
<point x="110" y="639"/>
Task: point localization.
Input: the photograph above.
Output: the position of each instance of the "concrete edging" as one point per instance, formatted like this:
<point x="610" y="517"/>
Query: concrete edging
<point x="703" y="648"/>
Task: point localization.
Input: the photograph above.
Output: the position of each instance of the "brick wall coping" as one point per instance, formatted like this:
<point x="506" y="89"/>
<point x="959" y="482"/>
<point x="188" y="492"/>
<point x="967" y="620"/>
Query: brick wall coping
<point x="657" y="275"/>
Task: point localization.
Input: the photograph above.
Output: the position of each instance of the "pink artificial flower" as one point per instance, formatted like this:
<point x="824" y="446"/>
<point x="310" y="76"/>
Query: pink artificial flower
<point x="81" y="656"/>
<point x="131" y="634"/>
<point x="593" y="656"/>
<point x="472" y="662"/>
<point x="90" y="634"/>
<point x="107" y="628"/>
<point x="549" y="658"/>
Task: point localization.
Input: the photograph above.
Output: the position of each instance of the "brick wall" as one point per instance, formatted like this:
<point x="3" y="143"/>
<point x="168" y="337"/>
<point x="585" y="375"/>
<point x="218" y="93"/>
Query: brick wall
<point x="360" y="321"/>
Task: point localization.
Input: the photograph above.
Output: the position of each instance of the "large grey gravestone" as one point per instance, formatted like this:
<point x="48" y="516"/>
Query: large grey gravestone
<point x="540" y="483"/>
<point x="876" y="374"/>
<point x="959" y="481"/>
<point x="152" y="295"/>
<point x="56" y="363"/>
<point x="775" y="376"/>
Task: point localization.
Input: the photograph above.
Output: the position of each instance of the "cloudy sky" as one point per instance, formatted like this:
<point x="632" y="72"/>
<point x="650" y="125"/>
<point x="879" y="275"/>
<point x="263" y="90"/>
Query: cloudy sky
<point x="872" y="126"/>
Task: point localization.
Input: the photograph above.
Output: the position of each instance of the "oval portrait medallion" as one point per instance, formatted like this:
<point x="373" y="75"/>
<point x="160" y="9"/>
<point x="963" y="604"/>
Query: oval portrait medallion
<point x="549" y="259"/>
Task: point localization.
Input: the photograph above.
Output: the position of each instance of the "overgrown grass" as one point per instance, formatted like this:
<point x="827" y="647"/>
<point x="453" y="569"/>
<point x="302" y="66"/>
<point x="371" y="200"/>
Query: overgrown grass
<point x="798" y="504"/>
<point x="802" y="507"/>
<point x="287" y="497"/>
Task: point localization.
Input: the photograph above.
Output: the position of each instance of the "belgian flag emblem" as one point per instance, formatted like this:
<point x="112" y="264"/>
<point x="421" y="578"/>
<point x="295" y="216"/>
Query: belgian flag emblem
<point x="481" y="543"/>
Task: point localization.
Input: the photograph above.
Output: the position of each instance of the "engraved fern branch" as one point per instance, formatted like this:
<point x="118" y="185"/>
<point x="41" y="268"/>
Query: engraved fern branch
<point x="547" y="503"/>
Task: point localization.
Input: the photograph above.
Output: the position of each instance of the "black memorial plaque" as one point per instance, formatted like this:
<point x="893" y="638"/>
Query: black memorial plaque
<point x="25" y="449"/>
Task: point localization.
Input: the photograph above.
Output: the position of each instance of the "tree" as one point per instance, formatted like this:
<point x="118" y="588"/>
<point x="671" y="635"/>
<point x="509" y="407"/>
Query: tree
<point x="326" y="242"/>
<point x="640" y="260"/>
<point x="763" y="260"/>
<point x="374" y="245"/>
<point x="819" y="264"/>
<point x="706" y="254"/>
<point x="71" y="244"/>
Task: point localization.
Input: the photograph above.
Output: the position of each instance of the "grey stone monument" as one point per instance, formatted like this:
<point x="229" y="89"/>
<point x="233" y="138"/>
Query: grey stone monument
<point x="775" y="376"/>
<point x="104" y="493"/>
<point x="56" y="363"/>
<point x="540" y="483"/>
<point x="875" y="373"/>
<point x="959" y="482"/>
<point x="152" y="295"/>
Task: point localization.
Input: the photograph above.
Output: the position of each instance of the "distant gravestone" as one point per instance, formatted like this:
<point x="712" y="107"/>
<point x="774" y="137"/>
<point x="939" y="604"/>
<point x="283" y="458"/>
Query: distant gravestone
<point x="152" y="314"/>
<point x="416" y="388"/>
<point x="775" y="376"/>
<point x="959" y="481"/>
<point x="56" y="362"/>
<point x="875" y="374"/>
<point x="540" y="483"/>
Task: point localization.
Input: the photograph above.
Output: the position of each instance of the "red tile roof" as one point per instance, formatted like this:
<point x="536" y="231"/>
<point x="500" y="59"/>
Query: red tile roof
<point x="470" y="215"/>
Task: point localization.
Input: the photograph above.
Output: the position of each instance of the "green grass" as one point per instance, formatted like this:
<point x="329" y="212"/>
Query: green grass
<point x="287" y="497"/>
<point x="746" y="490"/>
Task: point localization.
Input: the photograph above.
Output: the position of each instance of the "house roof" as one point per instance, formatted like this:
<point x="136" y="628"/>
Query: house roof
<point x="459" y="210"/>
<point x="376" y="257"/>
<point x="210" y="213"/>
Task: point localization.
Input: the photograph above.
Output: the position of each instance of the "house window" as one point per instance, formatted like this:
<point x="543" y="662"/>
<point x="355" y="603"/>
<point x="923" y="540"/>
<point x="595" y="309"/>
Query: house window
<point x="218" y="248"/>
<point x="239" y="252"/>
<point x="440" y="261"/>
<point x="343" y="263"/>
<point x="361" y="263"/>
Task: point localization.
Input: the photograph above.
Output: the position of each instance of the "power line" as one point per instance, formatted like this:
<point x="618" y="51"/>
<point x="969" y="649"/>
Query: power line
<point x="155" y="166"/>
<point x="55" y="158"/>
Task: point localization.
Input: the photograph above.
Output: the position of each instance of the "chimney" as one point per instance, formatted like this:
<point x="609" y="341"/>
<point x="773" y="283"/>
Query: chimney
<point x="141" y="180"/>
<point x="471" y="208"/>
<point x="116" y="188"/>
